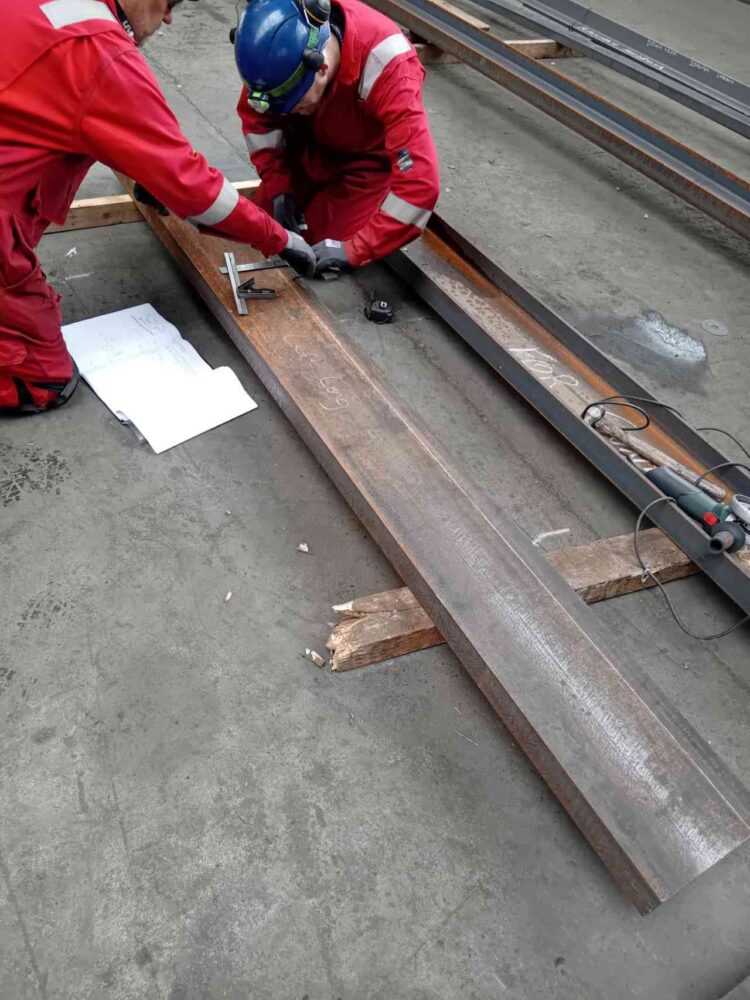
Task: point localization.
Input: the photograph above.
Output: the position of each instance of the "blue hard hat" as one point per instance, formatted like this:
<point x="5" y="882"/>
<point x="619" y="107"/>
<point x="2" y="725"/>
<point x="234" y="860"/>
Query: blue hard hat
<point x="278" y="49"/>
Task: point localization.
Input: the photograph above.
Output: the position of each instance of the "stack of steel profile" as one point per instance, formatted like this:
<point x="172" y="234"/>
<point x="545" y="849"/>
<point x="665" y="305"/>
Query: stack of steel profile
<point x="696" y="179"/>
<point x="681" y="77"/>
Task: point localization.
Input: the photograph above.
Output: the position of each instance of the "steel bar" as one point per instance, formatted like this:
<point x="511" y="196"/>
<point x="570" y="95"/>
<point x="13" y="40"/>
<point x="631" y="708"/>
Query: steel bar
<point x="559" y="372"/>
<point x="693" y="84"/>
<point x="694" y="178"/>
<point x="655" y="814"/>
<point x="740" y="992"/>
<point x="230" y="268"/>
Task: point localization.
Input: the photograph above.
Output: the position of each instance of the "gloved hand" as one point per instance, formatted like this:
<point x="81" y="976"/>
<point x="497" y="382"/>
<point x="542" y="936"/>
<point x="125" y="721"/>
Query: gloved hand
<point x="331" y="259"/>
<point x="146" y="198"/>
<point x="298" y="255"/>
<point x="285" y="212"/>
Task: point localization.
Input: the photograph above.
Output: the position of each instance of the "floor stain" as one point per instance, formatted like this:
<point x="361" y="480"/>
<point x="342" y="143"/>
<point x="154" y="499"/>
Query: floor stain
<point x="30" y="469"/>
<point x="649" y="340"/>
<point x="42" y="611"/>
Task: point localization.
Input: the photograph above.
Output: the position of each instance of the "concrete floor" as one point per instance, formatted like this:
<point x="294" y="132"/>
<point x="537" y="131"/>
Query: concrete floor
<point x="190" y="808"/>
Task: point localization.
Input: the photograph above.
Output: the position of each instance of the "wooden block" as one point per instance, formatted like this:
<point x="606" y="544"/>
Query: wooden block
<point x="462" y="15"/>
<point x="535" y="48"/>
<point x="431" y="55"/>
<point x="540" y="48"/>
<point x="657" y="813"/>
<point x="387" y="600"/>
<point x="381" y="635"/>
<point x="608" y="568"/>
<point x="116" y="210"/>
<point x="91" y="213"/>
<point x="391" y="623"/>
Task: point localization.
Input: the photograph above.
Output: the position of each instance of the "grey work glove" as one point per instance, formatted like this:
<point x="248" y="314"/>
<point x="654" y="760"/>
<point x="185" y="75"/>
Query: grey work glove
<point x="285" y="212"/>
<point x="298" y="255"/>
<point x="331" y="259"/>
<point x="146" y="198"/>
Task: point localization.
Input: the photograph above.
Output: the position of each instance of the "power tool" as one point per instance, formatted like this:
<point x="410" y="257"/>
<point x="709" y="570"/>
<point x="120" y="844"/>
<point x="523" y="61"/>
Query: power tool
<point x="727" y="524"/>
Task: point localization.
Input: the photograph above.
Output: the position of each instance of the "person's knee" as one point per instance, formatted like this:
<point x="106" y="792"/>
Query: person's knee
<point x="22" y="395"/>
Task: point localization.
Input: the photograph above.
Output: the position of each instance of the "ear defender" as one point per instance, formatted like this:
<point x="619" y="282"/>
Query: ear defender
<point x="312" y="59"/>
<point x="318" y="11"/>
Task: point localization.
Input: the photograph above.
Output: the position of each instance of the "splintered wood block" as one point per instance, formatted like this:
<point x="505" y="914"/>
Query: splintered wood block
<point x="387" y="600"/>
<point x="381" y="635"/>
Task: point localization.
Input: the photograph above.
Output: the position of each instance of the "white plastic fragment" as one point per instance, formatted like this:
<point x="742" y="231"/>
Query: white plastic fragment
<point x="72" y="252"/>
<point x="228" y="596"/>
<point x="303" y="547"/>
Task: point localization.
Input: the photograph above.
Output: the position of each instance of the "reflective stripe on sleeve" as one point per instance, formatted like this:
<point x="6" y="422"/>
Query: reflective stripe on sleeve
<point x="62" y="13"/>
<point x="264" y="140"/>
<point x="404" y="211"/>
<point x="378" y="59"/>
<point x="224" y="205"/>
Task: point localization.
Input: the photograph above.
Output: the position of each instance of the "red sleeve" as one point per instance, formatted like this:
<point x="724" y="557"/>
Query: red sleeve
<point x="396" y="100"/>
<point x="266" y="145"/>
<point x="126" y="123"/>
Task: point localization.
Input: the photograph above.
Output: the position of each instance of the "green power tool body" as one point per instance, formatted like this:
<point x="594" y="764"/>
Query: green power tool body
<point x="726" y="524"/>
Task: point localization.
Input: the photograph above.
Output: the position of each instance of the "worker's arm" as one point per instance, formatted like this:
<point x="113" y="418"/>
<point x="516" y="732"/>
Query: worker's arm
<point x="264" y="136"/>
<point x="126" y="123"/>
<point x="396" y="100"/>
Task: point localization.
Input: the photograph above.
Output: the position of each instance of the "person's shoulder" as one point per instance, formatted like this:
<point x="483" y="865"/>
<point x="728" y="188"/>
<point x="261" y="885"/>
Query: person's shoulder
<point x="370" y="25"/>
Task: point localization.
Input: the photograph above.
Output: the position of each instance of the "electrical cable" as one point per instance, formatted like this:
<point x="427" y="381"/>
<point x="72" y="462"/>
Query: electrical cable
<point x="650" y="574"/>
<point x="721" y="430"/>
<point x="630" y="401"/>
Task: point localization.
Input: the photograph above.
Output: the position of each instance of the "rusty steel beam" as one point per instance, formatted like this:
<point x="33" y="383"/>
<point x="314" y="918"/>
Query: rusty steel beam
<point x="657" y="815"/>
<point x="699" y="181"/>
<point x="560" y="373"/>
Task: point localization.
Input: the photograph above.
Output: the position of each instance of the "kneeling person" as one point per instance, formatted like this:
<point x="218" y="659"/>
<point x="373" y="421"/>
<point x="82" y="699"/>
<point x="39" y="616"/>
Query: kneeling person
<point x="74" y="89"/>
<point x="335" y="126"/>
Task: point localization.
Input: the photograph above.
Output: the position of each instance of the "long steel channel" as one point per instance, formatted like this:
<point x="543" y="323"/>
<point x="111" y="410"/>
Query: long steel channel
<point x="694" y="178"/>
<point x="693" y="84"/>
<point x="658" y="809"/>
<point x="559" y="372"/>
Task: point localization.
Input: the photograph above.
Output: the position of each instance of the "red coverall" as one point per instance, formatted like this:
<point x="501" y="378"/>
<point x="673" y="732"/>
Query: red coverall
<point x="75" y="89"/>
<point x="363" y="168"/>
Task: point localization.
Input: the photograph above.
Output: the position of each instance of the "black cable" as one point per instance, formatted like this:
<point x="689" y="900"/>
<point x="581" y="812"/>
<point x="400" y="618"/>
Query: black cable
<point x="720" y="430"/>
<point x="629" y="402"/>
<point x="648" y="573"/>
<point x="721" y="465"/>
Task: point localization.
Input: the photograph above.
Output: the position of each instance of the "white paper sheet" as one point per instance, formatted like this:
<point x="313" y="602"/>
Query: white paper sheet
<point x="148" y="375"/>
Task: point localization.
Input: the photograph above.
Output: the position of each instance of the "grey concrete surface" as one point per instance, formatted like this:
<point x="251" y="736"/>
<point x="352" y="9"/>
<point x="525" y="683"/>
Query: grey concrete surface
<point x="189" y="808"/>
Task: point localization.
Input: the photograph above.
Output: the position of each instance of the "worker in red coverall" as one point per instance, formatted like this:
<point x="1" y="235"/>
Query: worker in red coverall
<point x="333" y="117"/>
<point x="74" y="89"/>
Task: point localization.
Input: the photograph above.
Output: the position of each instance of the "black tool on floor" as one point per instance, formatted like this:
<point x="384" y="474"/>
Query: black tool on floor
<point x="379" y="310"/>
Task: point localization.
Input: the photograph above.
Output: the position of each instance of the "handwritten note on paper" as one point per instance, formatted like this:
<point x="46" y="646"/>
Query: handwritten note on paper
<point x="148" y="375"/>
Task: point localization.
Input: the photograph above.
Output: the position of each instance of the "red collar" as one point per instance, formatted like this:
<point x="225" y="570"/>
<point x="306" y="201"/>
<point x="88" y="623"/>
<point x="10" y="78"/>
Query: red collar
<point x="350" y="66"/>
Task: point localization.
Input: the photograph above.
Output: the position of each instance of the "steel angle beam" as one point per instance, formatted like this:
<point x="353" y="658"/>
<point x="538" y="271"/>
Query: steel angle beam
<point x="693" y="84"/>
<point x="656" y="817"/>
<point x="559" y="372"/>
<point x="694" y="178"/>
